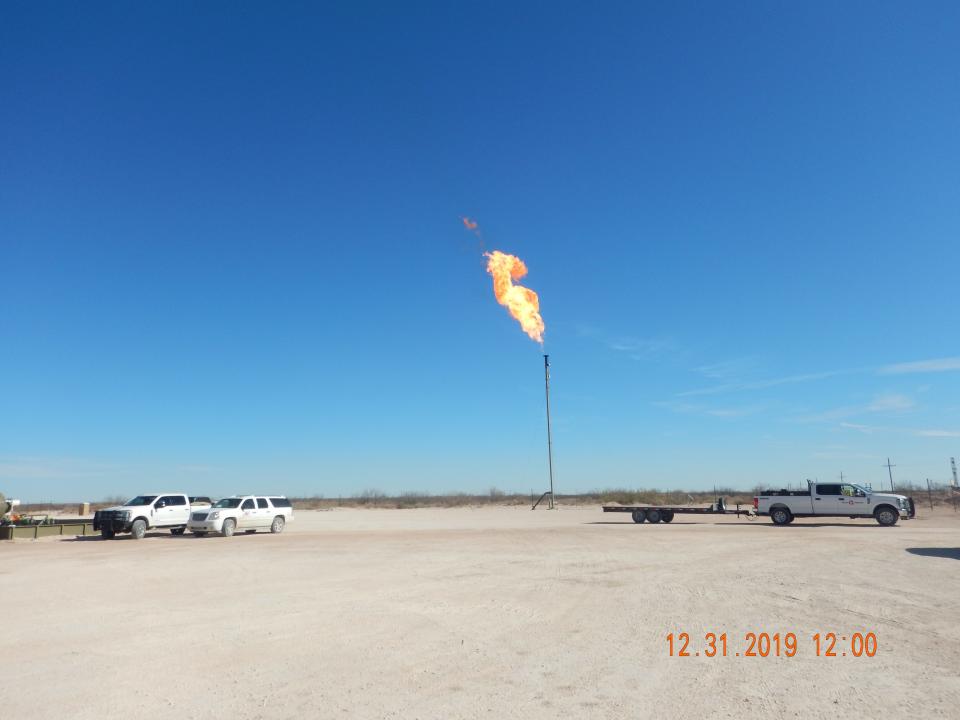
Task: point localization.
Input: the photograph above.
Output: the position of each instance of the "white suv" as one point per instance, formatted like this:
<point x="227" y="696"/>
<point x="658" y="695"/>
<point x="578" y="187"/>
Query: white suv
<point x="248" y="513"/>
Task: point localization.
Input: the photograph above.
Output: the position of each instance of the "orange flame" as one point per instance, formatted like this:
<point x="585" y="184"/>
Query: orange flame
<point x="523" y="303"/>
<point x="469" y="224"/>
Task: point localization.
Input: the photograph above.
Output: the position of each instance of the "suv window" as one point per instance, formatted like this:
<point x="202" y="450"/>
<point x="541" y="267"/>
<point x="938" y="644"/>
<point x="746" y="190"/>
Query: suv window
<point x="247" y="505"/>
<point x="828" y="489"/>
<point x="262" y="503"/>
<point x="280" y="502"/>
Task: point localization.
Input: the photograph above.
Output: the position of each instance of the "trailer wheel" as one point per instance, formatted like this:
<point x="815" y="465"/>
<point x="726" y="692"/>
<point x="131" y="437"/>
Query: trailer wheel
<point x="780" y="516"/>
<point x="638" y="516"/>
<point x="653" y="515"/>
<point x="666" y="516"/>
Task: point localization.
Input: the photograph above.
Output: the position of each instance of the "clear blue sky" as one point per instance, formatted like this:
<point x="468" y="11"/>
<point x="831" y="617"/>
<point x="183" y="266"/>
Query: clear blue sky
<point x="232" y="257"/>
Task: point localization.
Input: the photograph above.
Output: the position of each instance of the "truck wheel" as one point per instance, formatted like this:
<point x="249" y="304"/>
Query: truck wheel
<point x="277" y="525"/>
<point x="139" y="529"/>
<point x="653" y="515"/>
<point x="886" y="515"/>
<point x="228" y="527"/>
<point x="780" y="516"/>
<point x="666" y="516"/>
<point x="107" y="534"/>
<point x="177" y="531"/>
<point x="200" y="533"/>
<point x="639" y="516"/>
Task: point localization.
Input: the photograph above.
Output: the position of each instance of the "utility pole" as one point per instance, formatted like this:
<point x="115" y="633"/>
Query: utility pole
<point x="889" y="468"/>
<point x="955" y="490"/>
<point x="546" y="380"/>
<point x="841" y="477"/>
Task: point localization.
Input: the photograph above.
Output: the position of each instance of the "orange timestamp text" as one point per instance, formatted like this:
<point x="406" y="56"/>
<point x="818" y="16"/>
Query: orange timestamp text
<point x="764" y="644"/>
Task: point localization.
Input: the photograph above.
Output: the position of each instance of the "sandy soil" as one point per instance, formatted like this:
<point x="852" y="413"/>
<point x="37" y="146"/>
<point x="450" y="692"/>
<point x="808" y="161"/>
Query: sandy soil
<point x="483" y="613"/>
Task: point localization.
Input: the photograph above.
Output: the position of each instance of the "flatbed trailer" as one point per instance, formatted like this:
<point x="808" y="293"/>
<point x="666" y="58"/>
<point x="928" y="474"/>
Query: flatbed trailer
<point x="666" y="513"/>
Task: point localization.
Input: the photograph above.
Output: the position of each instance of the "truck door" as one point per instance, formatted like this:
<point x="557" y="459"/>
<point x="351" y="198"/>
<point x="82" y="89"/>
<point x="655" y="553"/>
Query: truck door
<point x="164" y="511"/>
<point x="248" y="514"/>
<point x="264" y="518"/>
<point x="180" y="513"/>
<point x="826" y="500"/>
<point x="853" y="500"/>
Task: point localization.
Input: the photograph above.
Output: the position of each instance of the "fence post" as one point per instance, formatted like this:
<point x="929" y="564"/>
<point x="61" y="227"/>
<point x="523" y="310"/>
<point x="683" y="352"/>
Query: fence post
<point x="929" y="494"/>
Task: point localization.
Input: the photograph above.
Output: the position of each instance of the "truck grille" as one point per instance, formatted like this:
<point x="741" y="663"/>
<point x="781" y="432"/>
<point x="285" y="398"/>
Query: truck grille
<point x="198" y="516"/>
<point x="107" y="518"/>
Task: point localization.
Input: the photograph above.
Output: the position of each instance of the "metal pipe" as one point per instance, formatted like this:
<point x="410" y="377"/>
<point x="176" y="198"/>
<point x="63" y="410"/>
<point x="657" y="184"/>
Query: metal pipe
<point x="546" y="379"/>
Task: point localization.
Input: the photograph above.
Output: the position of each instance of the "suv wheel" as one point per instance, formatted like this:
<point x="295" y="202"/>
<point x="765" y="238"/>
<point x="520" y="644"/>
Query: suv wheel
<point x="229" y="525"/>
<point x="277" y="525"/>
<point x="139" y="529"/>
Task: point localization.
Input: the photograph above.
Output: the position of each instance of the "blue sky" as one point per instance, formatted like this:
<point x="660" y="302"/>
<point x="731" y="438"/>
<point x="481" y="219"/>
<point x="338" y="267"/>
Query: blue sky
<point x="232" y="258"/>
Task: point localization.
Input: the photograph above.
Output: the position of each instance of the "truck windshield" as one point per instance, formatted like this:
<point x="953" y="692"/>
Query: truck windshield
<point x="141" y="500"/>
<point x="227" y="503"/>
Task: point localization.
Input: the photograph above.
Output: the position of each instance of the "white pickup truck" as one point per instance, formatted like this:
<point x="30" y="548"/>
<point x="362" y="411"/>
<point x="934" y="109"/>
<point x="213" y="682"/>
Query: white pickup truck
<point x="248" y="513"/>
<point x="144" y="512"/>
<point x="834" y="500"/>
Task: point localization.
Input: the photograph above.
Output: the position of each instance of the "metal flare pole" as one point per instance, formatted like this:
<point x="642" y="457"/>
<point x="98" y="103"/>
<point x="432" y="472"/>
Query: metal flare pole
<point x="546" y="380"/>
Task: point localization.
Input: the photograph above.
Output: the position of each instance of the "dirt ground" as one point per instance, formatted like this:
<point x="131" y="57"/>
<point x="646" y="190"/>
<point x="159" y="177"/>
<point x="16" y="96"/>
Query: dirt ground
<point x="483" y="613"/>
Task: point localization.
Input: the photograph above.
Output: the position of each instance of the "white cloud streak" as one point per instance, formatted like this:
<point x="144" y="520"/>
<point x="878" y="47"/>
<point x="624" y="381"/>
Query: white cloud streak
<point x="763" y="384"/>
<point x="921" y="366"/>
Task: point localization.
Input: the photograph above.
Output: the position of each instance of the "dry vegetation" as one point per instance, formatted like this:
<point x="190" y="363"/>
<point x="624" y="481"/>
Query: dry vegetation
<point x="940" y="495"/>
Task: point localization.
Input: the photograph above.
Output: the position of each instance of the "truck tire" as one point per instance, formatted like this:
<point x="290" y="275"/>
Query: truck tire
<point x="229" y="525"/>
<point x="639" y="516"/>
<point x="276" y="527"/>
<point x="138" y="529"/>
<point x="666" y="516"/>
<point x="781" y="516"/>
<point x="107" y="534"/>
<point x="653" y="515"/>
<point x="177" y="531"/>
<point x="886" y="515"/>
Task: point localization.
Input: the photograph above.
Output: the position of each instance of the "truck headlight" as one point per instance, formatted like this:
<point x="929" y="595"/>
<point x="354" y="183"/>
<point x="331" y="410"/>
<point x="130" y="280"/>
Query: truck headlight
<point x="213" y="516"/>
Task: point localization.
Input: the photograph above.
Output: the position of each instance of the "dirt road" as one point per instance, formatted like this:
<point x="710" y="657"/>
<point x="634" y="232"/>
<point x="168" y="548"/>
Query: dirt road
<point x="483" y="613"/>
